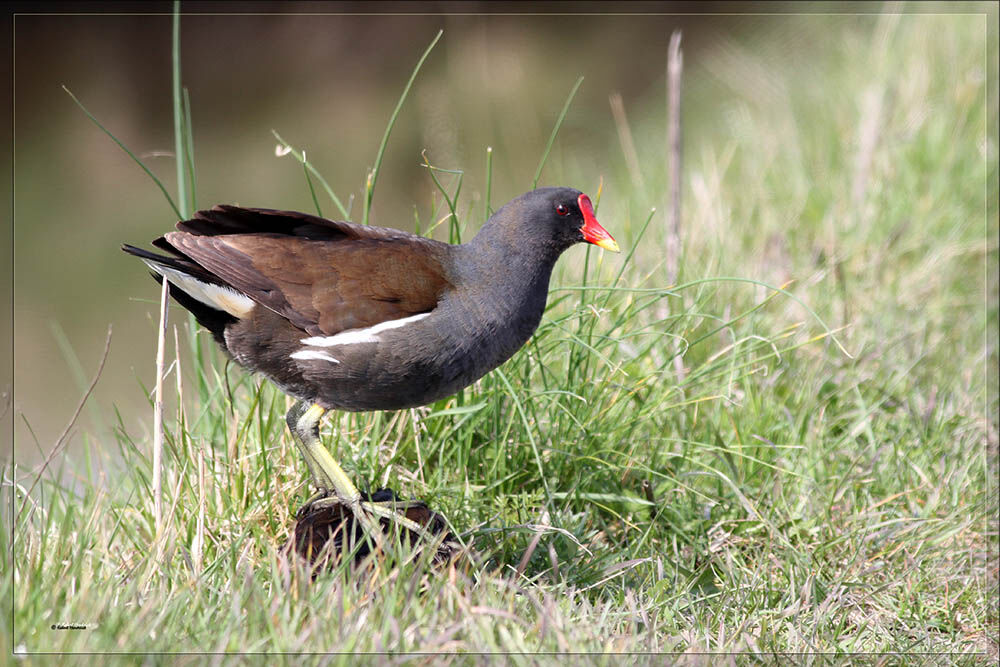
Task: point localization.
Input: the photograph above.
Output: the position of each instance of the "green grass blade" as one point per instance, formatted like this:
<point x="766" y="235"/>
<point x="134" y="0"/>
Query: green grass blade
<point x="184" y="159"/>
<point x="373" y="175"/>
<point x="555" y="131"/>
<point x="182" y="195"/>
<point x="189" y="147"/>
<point x="454" y="232"/>
<point x="312" y="190"/>
<point x="631" y="251"/>
<point x="529" y="431"/>
<point x="139" y="162"/>
<point x="301" y="157"/>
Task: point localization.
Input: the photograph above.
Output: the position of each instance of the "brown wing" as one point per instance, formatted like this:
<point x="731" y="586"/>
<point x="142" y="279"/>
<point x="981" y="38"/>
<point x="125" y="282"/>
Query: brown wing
<point x="324" y="276"/>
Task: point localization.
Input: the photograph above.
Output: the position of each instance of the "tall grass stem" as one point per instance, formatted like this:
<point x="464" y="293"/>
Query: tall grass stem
<point x="161" y="344"/>
<point x="182" y="194"/>
<point x="373" y="174"/>
<point x="555" y="131"/>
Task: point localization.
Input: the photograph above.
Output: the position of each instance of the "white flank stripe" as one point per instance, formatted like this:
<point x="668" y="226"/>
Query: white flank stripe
<point x="368" y="335"/>
<point x="313" y="354"/>
<point x="216" y="296"/>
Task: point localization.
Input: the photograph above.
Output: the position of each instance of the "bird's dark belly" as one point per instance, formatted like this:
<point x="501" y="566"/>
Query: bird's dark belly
<point x="393" y="382"/>
<point x="409" y="367"/>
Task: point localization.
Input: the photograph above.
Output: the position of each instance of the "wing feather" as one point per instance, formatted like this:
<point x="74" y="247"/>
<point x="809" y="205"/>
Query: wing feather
<point x="323" y="276"/>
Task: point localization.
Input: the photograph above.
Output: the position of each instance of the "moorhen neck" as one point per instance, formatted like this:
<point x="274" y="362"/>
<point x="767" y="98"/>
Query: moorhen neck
<point x="354" y="317"/>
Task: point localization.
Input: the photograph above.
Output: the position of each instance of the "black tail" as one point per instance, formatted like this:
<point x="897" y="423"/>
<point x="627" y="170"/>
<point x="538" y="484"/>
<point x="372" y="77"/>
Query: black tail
<point x="179" y="262"/>
<point x="211" y="318"/>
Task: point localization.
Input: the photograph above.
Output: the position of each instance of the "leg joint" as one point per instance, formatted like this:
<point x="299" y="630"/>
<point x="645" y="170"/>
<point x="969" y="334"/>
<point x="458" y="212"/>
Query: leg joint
<point x="303" y="419"/>
<point x="294" y="413"/>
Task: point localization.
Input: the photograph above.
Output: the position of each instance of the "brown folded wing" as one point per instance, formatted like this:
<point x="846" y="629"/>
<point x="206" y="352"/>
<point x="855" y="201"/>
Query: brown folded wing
<point x="323" y="276"/>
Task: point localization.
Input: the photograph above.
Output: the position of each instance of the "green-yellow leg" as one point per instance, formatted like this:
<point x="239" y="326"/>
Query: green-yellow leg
<point x="303" y="421"/>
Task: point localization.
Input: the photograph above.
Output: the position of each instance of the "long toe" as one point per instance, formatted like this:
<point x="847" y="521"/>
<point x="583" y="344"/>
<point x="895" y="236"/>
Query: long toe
<point x="309" y="505"/>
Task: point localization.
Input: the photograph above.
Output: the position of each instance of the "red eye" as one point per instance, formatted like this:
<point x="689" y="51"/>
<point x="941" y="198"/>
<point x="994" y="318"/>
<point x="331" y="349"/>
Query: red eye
<point x="562" y="210"/>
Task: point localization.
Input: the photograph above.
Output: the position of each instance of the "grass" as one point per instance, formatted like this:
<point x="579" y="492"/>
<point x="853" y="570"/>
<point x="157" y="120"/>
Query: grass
<point x="772" y="492"/>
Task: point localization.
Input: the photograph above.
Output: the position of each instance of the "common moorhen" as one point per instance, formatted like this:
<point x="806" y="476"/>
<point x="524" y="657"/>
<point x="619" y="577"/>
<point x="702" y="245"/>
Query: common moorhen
<point x="353" y="317"/>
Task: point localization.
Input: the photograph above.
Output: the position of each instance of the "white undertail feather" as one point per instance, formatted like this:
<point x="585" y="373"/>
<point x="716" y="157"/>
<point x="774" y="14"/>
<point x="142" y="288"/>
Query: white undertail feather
<point x="215" y="296"/>
<point x="369" y="335"/>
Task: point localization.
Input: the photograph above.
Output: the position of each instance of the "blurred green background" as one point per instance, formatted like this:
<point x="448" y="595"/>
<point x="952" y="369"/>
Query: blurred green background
<point x="328" y="83"/>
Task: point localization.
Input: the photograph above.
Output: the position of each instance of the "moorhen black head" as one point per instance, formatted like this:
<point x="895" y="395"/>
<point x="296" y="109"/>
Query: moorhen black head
<point x="355" y="317"/>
